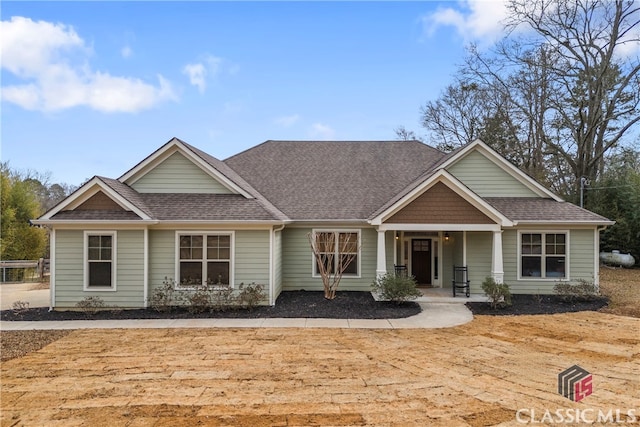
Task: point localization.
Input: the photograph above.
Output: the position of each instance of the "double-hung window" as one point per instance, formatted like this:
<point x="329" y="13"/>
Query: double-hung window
<point x="100" y="265"/>
<point x="204" y="259"/>
<point x="543" y="255"/>
<point x="337" y="249"/>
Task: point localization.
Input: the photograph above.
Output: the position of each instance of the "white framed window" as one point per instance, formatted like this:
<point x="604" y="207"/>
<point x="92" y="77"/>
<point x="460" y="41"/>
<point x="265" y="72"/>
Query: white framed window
<point x="204" y="258"/>
<point x="335" y="247"/>
<point x="543" y="255"/>
<point x="100" y="260"/>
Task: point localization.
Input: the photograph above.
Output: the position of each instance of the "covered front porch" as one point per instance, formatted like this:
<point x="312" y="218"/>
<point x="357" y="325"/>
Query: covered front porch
<point x="430" y="252"/>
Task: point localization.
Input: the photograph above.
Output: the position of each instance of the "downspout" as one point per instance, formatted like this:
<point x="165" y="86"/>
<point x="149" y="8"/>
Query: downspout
<point x="52" y="269"/>
<point x="272" y="277"/>
<point x="145" y="266"/>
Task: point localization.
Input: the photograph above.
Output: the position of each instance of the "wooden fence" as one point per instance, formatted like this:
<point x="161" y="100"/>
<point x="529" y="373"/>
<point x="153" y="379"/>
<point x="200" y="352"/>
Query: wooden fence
<point x="22" y="270"/>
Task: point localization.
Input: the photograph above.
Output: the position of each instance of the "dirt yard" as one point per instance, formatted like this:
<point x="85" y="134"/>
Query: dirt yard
<point x="478" y="374"/>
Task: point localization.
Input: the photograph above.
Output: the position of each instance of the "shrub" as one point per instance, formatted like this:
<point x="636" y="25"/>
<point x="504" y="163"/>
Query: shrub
<point x="20" y="307"/>
<point x="163" y="298"/>
<point x="582" y="291"/>
<point x="222" y="298"/>
<point x="396" y="287"/>
<point x="90" y="305"/>
<point x="498" y="293"/>
<point x="198" y="300"/>
<point x="251" y="295"/>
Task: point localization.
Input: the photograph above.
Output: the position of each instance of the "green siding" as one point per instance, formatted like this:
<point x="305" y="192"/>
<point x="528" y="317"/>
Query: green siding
<point x="251" y="260"/>
<point x="252" y="257"/>
<point x="177" y="174"/>
<point x="479" y="253"/>
<point x="297" y="261"/>
<point x="580" y="259"/>
<point x="486" y="178"/>
<point x="70" y="270"/>
<point x="582" y="247"/>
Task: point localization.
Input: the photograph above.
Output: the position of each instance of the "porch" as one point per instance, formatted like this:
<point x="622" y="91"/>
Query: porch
<point x="430" y="255"/>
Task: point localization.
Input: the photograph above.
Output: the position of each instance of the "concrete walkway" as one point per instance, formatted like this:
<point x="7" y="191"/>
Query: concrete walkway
<point x="439" y="310"/>
<point x="433" y="315"/>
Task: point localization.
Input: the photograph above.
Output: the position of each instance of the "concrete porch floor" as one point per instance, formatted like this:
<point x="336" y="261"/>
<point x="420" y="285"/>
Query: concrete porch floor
<point x="445" y="295"/>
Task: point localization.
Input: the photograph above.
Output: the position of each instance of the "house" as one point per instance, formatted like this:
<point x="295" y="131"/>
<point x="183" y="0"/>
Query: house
<point x="182" y="214"/>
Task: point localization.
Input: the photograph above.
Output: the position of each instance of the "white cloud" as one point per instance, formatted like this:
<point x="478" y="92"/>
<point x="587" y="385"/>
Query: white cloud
<point x="322" y="131"/>
<point x="480" y="21"/>
<point x="52" y="60"/>
<point x="126" y="52"/>
<point x="287" y="121"/>
<point x="207" y="68"/>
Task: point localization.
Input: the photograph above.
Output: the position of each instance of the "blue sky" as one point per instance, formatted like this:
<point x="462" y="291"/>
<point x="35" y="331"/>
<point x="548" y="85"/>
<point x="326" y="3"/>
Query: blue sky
<point x="91" y="88"/>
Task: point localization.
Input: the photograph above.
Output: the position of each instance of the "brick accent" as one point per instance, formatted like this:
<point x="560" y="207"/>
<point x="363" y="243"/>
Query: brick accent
<point x="439" y="205"/>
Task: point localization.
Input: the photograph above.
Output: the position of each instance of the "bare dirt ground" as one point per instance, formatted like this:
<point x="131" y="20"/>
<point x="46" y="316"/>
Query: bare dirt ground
<point x="478" y="374"/>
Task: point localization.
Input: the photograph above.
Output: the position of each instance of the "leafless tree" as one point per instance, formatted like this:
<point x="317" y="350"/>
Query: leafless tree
<point x="334" y="253"/>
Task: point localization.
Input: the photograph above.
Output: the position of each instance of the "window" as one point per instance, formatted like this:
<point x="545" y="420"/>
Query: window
<point x="543" y="255"/>
<point x="204" y="259"/>
<point x="100" y="261"/>
<point x="340" y="246"/>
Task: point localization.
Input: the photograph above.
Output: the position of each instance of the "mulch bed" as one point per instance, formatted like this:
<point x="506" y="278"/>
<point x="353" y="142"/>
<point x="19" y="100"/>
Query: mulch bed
<point x="306" y="304"/>
<point x="538" y="304"/>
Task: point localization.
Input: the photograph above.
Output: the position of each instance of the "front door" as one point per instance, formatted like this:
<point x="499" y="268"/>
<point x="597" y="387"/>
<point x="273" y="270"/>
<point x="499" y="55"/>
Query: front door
<point x="421" y="261"/>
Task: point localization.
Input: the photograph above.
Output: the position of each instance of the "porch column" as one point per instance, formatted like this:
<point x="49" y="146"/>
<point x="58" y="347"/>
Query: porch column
<point x="381" y="266"/>
<point x="497" y="269"/>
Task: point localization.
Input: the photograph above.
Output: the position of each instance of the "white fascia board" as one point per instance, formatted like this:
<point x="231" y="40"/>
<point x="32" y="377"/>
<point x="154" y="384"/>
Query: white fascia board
<point x="456" y="186"/>
<point x="573" y="224"/>
<point x="228" y="225"/>
<point x="439" y="227"/>
<point x="175" y="146"/>
<point x="505" y="165"/>
<point x="86" y="224"/>
<point x="89" y="189"/>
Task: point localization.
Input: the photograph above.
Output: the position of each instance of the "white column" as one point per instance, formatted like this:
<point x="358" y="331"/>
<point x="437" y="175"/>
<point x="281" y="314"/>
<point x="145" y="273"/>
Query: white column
<point x="381" y="266"/>
<point x="497" y="268"/>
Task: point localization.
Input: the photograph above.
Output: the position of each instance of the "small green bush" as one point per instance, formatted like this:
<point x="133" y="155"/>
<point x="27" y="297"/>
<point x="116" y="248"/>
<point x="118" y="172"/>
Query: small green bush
<point x="498" y="293"/>
<point x="251" y="295"/>
<point x="396" y="287"/>
<point x="91" y="305"/>
<point x="582" y="291"/>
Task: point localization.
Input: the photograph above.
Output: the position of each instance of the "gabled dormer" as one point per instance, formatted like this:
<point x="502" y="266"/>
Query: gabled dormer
<point x="177" y="167"/>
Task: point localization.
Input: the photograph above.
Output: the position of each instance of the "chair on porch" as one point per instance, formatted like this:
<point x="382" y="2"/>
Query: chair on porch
<point x="461" y="280"/>
<point x="401" y="270"/>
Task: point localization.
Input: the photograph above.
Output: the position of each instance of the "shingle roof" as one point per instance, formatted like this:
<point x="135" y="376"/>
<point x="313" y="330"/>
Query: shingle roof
<point x="96" y="215"/>
<point x="224" y="169"/>
<point x="332" y="180"/>
<point x="538" y="209"/>
<point x="205" y="207"/>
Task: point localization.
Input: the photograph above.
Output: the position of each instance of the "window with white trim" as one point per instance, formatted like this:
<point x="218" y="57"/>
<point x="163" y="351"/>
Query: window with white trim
<point x="100" y="260"/>
<point x="337" y="247"/>
<point x="204" y="259"/>
<point x="543" y="255"/>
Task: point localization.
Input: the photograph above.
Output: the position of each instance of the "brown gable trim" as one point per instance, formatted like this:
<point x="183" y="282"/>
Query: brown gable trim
<point x="439" y="205"/>
<point x="99" y="202"/>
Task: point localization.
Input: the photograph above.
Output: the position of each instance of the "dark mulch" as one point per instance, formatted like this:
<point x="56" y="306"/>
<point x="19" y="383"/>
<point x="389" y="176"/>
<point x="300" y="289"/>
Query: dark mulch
<point x="309" y="304"/>
<point x="538" y="304"/>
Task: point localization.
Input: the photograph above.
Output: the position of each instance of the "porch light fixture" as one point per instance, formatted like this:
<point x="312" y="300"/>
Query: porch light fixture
<point x="446" y="236"/>
<point x="397" y="237"/>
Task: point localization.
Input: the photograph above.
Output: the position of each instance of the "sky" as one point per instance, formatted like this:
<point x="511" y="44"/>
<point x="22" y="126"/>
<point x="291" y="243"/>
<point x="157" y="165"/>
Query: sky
<point x="92" y="88"/>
